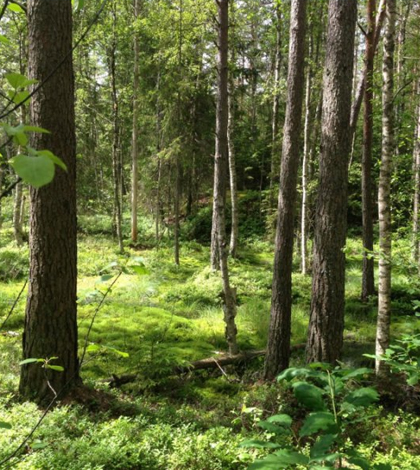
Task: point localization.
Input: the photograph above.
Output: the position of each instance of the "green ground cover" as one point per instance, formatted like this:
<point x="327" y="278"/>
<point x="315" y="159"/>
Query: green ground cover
<point x="166" y="316"/>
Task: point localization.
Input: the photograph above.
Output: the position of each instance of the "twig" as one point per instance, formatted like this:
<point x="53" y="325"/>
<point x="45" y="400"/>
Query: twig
<point x="8" y="190"/>
<point x="14" y="305"/>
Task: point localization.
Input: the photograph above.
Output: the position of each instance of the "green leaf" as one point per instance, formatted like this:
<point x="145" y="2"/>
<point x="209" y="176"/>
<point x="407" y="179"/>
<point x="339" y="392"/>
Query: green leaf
<point x="315" y="422"/>
<point x="256" y="444"/>
<point x="37" y="129"/>
<point x="360" y="462"/>
<point x="39" y="445"/>
<point x="357" y="373"/>
<point x="271" y="427"/>
<point x="51" y="156"/>
<point x="30" y="360"/>
<point x="106" y="277"/>
<point x="4" y="40"/>
<point x="37" y="171"/>
<point x="140" y="270"/>
<point x="271" y="462"/>
<point x="290" y="457"/>
<point x="57" y="368"/>
<point x="15" y="8"/>
<point x="20" y="138"/>
<point x="4" y="425"/>
<point x="362" y="397"/>
<point x="117" y="351"/>
<point x="93" y="348"/>
<point x="19" y="96"/>
<point x="382" y="466"/>
<point x="17" y="80"/>
<point x="309" y="395"/>
<point x="322" y="445"/>
<point x="281" y="420"/>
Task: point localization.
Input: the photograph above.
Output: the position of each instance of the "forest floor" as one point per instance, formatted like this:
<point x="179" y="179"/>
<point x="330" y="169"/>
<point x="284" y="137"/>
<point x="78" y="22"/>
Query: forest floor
<point x="157" y="316"/>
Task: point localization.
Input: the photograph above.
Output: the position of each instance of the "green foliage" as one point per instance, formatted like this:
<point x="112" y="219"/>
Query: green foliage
<point x="335" y="402"/>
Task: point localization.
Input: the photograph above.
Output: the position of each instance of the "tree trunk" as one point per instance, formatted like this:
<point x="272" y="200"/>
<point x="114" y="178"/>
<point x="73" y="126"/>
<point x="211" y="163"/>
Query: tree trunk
<point x="233" y="246"/>
<point x="134" y="148"/>
<point x="384" y="194"/>
<point x="416" y="172"/>
<point x="325" y="334"/>
<point x="17" y="216"/>
<point x="220" y="173"/>
<point x="116" y="154"/>
<point x="50" y="322"/>
<point x="278" y="348"/>
<point x="368" y="282"/>
<point x="276" y="102"/>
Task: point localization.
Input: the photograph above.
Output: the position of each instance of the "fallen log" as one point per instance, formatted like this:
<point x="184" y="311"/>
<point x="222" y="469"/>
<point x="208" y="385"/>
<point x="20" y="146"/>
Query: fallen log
<point x="213" y="362"/>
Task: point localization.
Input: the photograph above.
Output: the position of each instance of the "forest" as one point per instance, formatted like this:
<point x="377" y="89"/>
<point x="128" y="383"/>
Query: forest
<point x="210" y="234"/>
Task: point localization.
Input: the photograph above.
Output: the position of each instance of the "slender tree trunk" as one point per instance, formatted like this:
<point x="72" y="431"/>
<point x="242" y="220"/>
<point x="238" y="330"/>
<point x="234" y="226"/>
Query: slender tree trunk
<point x="134" y="147"/>
<point x="368" y="282"/>
<point x="384" y="194"/>
<point x="325" y="334"/>
<point x="233" y="246"/>
<point x="276" y="104"/>
<point x="116" y="157"/>
<point x="305" y="168"/>
<point x="416" y="172"/>
<point x="17" y="217"/>
<point x="220" y="173"/>
<point x="278" y="348"/>
<point x="50" y="322"/>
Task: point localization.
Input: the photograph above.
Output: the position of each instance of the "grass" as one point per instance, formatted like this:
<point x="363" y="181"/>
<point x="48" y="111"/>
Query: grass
<point x="172" y="315"/>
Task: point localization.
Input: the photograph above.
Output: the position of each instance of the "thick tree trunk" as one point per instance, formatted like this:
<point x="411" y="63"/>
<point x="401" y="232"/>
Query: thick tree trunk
<point x="50" y="322"/>
<point x="278" y="349"/>
<point x="220" y="173"/>
<point x="325" y="335"/>
<point x="384" y="194"/>
<point x="368" y="283"/>
<point x="134" y="145"/>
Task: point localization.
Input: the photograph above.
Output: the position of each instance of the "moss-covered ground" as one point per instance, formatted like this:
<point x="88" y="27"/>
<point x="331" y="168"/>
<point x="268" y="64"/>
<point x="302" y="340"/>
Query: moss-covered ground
<point x="158" y="315"/>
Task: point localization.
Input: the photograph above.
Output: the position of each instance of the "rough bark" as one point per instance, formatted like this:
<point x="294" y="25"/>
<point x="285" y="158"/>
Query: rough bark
<point x="384" y="193"/>
<point x="325" y="334"/>
<point x="17" y="216"/>
<point x="134" y="145"/>
<point x="278" y="348"/>
<point x="50" y="322"/>
<point x="220" y="173"/>
<point x="368" y="283"/>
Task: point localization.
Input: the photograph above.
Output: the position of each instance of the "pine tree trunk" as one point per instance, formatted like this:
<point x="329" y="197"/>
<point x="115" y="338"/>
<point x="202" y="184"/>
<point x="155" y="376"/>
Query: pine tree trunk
<point x="384" y="194"/>
<point x="278" y="348"/>
<point x="134" y="147"/>
<point x="368" y="282"/>
<point x="220" y="173"/>
<point x="50" y="322"/>
<point x="325" y="334"/>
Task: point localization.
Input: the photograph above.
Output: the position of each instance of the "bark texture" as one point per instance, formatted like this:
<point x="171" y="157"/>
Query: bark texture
<point x="50" y="322"/>
<point x="368" y="283"/>
<point x="220" y="174"/>
<point x="278" y="348"/>
<point x="384" y="193"/>
<point x="325" y="334"/>
<point x="416" y="173"/>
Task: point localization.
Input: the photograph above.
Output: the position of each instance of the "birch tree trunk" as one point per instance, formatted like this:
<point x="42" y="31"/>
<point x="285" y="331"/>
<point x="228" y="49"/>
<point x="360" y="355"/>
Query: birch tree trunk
<point x="134" y="145"/>
<point x="220" y="173"/>
<point x="416" y="174"/>
<point x="325" y="334"/>
<point x="278" y="348"/>
<point x="384" y="194"/>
